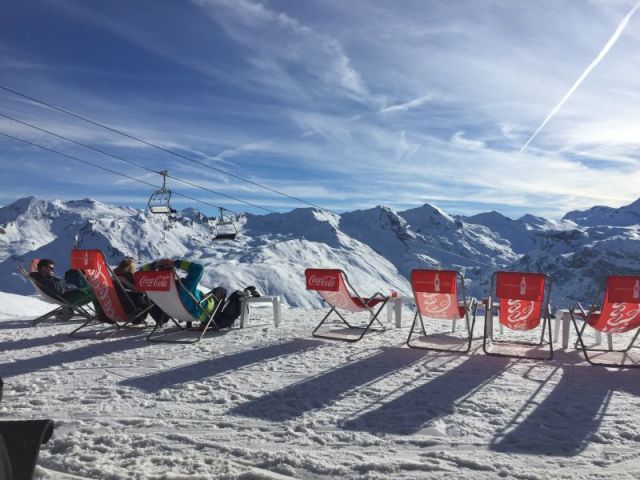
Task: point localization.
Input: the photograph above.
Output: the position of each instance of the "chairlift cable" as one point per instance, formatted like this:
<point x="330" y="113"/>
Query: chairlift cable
<point x="110" y="170"/>
<point x="131" y="162"/>
<point x="166" y="150"/>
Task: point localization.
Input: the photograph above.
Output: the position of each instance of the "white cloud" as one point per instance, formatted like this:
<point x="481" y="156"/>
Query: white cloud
<point x="403" y="107"/>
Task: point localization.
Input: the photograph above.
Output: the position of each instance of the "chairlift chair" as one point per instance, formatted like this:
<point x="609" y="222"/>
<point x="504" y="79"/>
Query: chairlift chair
<point x="159" y="202"/>
<point x="225" y="228"/>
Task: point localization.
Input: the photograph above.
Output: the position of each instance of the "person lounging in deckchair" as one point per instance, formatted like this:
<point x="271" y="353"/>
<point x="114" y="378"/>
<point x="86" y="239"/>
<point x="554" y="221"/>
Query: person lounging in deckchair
<point x="190" y="283"/>
<point x="58" y="287"/>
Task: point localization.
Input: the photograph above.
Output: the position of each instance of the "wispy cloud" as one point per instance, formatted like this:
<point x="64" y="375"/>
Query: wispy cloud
<point x="286" y="39"/>
<point x="346" y="104"/>
<point x="610" y="43"/>
<point x="403" y="107"/>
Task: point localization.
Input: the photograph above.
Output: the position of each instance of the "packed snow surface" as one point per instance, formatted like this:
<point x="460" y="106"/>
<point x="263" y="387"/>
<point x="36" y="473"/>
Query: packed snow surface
<point x="275" y="403"/>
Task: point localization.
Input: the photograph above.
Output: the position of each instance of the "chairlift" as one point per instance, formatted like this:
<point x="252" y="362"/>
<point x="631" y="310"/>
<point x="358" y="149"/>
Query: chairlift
<point x="225" y="228"/>
<point x="159" y="202"/>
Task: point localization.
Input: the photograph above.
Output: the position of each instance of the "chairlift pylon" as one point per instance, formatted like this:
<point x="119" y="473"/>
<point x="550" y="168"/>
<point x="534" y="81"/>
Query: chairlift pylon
<point x="159" y="202"/>
<point x="225" y="228"/>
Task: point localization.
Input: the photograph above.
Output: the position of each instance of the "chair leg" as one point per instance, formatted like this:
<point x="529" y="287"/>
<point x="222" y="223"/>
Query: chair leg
<point x="497" y="354"/>
<point x="436" y="349"/>
<point x="374" y="318"/>
<point x="44" y="317"/>
<point x="585" y="350"/>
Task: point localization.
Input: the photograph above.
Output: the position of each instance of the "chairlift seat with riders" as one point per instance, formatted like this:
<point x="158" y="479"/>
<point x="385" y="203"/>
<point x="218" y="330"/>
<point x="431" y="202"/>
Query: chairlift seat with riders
<point x="160" y="200"/>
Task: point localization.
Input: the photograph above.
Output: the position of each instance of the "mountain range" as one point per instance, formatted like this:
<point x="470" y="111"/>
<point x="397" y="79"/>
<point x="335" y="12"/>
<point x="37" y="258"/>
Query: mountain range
<point x="377" y="247"/>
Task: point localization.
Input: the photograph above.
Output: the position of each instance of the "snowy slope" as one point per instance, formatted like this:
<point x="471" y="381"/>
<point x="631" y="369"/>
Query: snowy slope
<point x="377" y="247"/>
<point x="516" y="232"/>
<point x="625" y="216"/>
<point x="266" y="403"/>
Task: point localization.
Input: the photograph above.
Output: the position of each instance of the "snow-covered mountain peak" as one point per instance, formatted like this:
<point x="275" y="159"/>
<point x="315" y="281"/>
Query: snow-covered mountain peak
<point x="624" y="216"/>
<point x="377" y="247"/>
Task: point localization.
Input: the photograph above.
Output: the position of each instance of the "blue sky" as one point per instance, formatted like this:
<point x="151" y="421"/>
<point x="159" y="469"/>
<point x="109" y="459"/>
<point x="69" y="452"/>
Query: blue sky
<point x="347" y="105"/>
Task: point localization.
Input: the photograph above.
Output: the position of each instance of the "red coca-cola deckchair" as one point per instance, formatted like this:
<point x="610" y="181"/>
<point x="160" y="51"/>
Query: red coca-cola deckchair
<point x="162" y="289"/>
<point x="81" y="309"/>
<point x="619" y="313"/>
<point x="522" y="302"/>
<point x="437" y="298"/>
<point x="103" y="283"/>
<point x="334" y="287"/>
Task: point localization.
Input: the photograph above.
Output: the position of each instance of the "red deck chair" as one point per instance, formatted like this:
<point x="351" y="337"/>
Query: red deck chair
<point x="162" y="289"/>
<point x="103" y="283"/>
<point x="619" y="313"/>
<point x="80" y="309"/>
<point x="334" y="287"/>
<point x="436" y="296"/>
<point x="522" y="301"/>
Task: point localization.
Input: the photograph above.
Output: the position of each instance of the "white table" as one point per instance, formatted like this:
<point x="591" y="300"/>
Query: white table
<point x="394" y="308"/>
<point x="275" y="302"/>
<point x="563" y="317"/>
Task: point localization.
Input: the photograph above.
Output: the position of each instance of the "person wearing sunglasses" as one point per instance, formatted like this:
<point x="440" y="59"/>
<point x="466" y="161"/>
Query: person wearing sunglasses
<point x="62" y="288"/>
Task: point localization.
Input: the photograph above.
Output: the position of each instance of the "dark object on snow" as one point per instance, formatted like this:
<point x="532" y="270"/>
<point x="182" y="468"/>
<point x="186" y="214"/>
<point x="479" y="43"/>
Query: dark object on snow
<point x="20" y="442"/>
<point x="230" y="311"/>
<point x="251" y="291"/>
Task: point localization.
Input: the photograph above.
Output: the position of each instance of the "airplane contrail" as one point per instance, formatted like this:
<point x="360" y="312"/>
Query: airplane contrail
<point x="588" y="70"/>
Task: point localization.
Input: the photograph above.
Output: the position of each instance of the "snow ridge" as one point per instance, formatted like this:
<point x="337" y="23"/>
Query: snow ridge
<point x="377" y="247"/>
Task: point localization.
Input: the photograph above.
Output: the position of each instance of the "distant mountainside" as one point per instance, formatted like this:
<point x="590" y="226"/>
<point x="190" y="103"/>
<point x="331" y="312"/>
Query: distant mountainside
<point x="377" y="247"/>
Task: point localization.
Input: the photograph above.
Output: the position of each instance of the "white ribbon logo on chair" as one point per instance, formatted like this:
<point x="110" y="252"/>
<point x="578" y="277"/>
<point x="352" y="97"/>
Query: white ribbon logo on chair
<point x="438" y="305"/>
<point x="620" y="315"/>
<point x="99" y="284"/>
<point x="338" y="299"/>
<point x="518" y="312"/>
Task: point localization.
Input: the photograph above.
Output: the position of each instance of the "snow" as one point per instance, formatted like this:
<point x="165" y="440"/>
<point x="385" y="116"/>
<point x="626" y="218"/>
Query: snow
<point x="377" y="247"/>
<point x="274" y="403"/>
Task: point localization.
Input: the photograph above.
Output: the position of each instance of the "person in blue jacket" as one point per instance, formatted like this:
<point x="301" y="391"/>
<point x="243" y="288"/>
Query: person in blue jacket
<point x="194" y="271"/>
<point x="203" y="309"/>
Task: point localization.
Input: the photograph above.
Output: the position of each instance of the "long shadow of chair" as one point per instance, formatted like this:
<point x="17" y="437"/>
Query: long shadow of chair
<point x="325" y="388"/>
<point x="24" y="343"/>
<point x="33" y="364"/>
<point x="20" y="442"/>
<point x="564" y="422"/>
<point x="215" y="366"/>
<point x="411" y="411"/>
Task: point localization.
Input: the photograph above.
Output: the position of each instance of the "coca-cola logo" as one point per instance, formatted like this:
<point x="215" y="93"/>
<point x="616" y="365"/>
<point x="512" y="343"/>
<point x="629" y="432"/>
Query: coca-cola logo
<point x="323" y="281"/>
<point x="101" y="284"/>
<point x="620" y="316"/>
<point x="340" y="299"/>
<point x="438" y="305"/>
<point x="520" y="313"/>
<point x="160" y="282"/>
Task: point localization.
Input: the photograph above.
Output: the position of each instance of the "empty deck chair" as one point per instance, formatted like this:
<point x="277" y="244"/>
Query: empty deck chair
<point x="20" y="442"/>
<point x="81" y="309"/>
<point x="522" y="302"/>
<point x="104" y="283"/>
<point x="162" y="289"/>
<point x="334" y="287"/>
<point x="437" y="298"/>
<point x="619" y="313"/>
